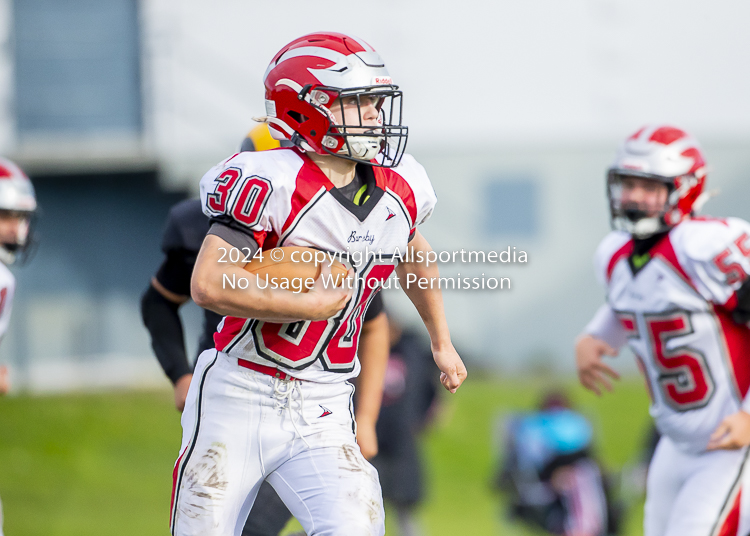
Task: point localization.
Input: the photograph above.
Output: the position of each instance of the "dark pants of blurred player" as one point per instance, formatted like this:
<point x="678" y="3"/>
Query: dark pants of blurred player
<point x="409" y="396"/>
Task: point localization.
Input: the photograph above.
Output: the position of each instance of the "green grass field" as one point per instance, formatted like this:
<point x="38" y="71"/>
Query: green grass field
<point x="87" y="465"/>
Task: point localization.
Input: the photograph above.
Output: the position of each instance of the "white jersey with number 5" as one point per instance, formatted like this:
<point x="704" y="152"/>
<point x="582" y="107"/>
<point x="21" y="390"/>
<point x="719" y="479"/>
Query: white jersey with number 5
<point x="676" y="313"/>
<point x="282" y="198"/>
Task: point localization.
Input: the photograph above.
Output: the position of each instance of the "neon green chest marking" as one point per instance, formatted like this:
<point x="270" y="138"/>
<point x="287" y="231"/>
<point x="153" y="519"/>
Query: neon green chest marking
<point x="640" y="260"/>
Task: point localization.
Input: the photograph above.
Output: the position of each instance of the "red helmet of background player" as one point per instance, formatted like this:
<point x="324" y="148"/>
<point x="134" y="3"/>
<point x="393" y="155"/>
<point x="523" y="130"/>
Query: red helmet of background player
<point x="665" y="154"/>
<point x="312" y="74"/>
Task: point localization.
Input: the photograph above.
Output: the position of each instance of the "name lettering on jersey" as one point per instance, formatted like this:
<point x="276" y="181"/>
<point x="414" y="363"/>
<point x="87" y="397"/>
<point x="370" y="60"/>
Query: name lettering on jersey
<point x="367" y="237"/>
<point x="635" y="295"/>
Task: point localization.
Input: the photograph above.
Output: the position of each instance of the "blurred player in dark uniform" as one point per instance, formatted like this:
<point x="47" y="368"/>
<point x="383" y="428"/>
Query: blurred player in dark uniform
<point x="409" y="398"/>
<point x="170" y="288"/>
<point x="552" y="478"/>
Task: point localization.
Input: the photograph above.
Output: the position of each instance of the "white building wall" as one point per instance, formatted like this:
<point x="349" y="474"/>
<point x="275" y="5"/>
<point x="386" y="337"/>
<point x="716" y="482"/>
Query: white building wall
<point x="474" y="73"/>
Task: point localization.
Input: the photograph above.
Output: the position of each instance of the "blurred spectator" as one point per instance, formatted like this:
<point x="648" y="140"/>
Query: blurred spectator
<point x="552" y="478"/>
<point x="409" y="400"/>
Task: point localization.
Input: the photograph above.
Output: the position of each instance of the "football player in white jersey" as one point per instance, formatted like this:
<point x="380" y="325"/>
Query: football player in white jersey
<point x="272" y="401"/>
<point x="678" y="295"/>
<point x="17" y="206"/>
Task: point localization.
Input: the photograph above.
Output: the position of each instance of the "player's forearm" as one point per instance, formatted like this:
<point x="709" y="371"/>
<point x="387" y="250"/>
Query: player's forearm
<point x="428" y="301"/>
<point x="211" y="288"/>
<point x="373" y="355"/>
<point x="162" y="320"/>
<point x="605" y="326"/>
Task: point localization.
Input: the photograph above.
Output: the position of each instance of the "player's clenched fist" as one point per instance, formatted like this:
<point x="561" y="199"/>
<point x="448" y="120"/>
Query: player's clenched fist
<point x="452" y="369"/>
<point x="592" y="372"/>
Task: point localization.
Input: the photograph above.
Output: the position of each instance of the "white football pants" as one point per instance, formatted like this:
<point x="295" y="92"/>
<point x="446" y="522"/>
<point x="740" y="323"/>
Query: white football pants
<point x="241" y="427"/>
<point x="705" y="494"/>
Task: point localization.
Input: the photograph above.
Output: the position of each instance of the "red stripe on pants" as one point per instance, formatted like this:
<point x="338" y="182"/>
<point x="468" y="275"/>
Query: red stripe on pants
<point x="174" y="484"/>
<point x="732" y="521"/>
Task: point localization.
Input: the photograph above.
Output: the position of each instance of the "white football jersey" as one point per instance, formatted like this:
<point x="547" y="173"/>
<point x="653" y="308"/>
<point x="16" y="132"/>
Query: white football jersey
<point x="676" y="314"/>
<point x="281" y="198"/>
<point x="7" y="290"/>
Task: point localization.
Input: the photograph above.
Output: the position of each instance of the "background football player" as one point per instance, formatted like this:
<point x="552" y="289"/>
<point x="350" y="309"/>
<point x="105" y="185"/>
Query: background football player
<point x="170" y="288"/>
<point x="410" y="402"/>
<point x="678" y="294"/>
<point x="549" y="470"/>
<point x="17" y="207"/>
<point x="273" y="401"/>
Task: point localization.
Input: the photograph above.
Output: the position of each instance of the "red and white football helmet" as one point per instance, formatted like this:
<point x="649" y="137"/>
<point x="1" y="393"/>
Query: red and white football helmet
<point x="665" y="154"/>
<point x="309" y="75"/>
<point x="17" y="199"/>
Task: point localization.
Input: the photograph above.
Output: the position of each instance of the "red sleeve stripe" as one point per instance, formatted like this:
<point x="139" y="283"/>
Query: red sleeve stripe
<point x="623" y="252"/>
<point x="388" y="179"/>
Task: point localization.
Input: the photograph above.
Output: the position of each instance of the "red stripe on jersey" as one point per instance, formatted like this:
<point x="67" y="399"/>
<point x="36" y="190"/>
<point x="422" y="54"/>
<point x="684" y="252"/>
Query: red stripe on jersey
<point x="387" y="178"/>
<point x="259" y="237"/>
<point x="731" y="524"/>
<point x="665" y="251"/>
<point x="731" y="303"/>
<point x="232" y="326"/>
<point x="737" y="341"/>
<point x="623" y="252"/>
<point x="272" y="239"/>
<point x="308" y="182"/>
